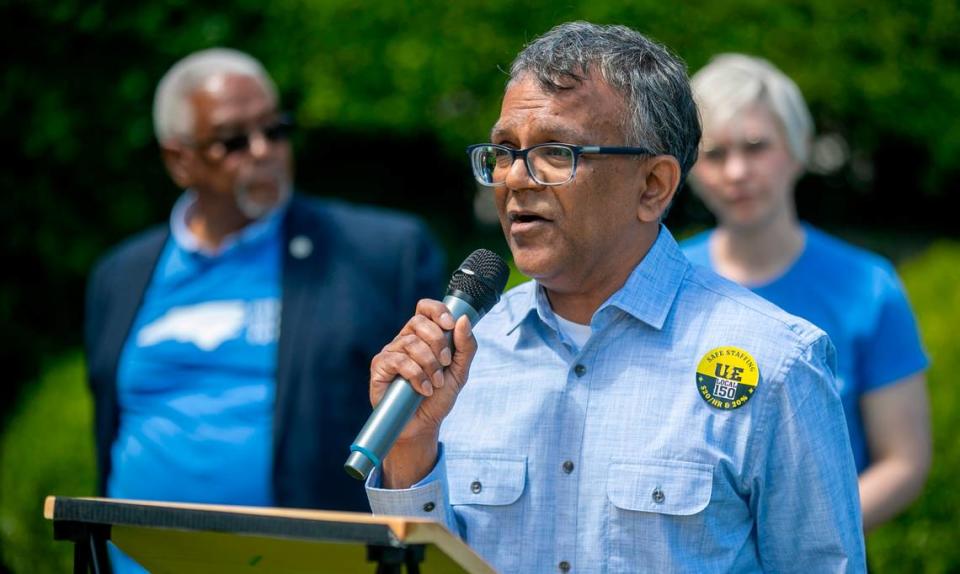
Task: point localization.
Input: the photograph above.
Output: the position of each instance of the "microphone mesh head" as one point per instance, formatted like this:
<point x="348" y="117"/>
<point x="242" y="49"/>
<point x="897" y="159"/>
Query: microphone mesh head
<point x="482" y="276"/>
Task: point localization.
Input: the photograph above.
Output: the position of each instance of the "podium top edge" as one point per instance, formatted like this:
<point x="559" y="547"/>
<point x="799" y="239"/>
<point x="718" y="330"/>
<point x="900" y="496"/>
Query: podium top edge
<point x="249" y="519"/>
<point x="314" y="514"/>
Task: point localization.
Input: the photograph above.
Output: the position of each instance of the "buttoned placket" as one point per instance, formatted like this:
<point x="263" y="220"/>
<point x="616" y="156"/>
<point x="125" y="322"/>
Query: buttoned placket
<point x="573" y="416"/>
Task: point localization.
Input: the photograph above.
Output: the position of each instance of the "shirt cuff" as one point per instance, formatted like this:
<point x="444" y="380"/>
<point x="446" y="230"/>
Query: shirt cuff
<point x="425" y="499"/>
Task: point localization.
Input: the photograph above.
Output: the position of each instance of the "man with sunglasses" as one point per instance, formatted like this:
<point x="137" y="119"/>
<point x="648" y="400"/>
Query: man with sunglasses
<point x="227" y="349"/>
<point x="625" y="411"/>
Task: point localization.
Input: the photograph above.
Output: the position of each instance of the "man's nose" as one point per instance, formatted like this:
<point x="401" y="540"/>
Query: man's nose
<point x="259" y="144"/>
<point x="518" y="176"/>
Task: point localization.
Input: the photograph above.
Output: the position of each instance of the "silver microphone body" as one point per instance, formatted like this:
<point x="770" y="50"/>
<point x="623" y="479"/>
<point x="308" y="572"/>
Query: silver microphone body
<point x="395" y="410"/>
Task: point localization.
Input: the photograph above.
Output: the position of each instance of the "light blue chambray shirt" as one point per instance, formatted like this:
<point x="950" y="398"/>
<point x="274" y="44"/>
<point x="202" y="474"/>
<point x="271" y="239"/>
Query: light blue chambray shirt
<point x="608" y="459"/>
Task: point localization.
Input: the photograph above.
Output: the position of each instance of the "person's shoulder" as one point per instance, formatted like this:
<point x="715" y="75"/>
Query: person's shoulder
<point x="134" y="249"/>
<point x="856" y="271"/>
<point x="828" y="250"/>
<point x="381" y="244"/>
<point x="724" y="301"/>
<point x="355" y="219"/>
<point x="720" y="314"/>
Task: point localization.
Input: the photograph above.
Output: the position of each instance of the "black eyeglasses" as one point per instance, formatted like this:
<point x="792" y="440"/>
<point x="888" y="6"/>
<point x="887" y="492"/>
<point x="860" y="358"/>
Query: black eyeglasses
<point x="277" y="131"/>
<point x="547" y="164"/>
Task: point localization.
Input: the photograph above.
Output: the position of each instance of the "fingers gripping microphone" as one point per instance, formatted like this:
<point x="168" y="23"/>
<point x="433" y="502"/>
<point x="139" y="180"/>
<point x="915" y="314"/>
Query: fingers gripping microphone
<point x="474" y="289"/>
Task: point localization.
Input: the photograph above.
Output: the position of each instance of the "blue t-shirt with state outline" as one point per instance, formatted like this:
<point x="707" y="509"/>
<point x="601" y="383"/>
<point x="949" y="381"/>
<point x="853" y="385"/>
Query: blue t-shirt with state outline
<point x="196" y="377"/>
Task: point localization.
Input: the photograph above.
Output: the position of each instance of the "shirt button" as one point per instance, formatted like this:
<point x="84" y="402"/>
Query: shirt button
<point x="476" y="487"/>
<point x="580" y="370"/>
<point x="657" y="495"/>
<point x="428" y="507"/>
<point x="564" y="566"/>
<point x="568" y="466"/>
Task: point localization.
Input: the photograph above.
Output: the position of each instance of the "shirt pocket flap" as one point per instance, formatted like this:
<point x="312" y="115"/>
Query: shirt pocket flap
<point x="494" y="480"/>
<point x="671" y="487"/>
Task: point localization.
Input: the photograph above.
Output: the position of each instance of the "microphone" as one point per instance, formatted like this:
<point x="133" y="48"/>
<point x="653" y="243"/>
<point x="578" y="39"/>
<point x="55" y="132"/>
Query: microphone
<point x="474" y="289"/>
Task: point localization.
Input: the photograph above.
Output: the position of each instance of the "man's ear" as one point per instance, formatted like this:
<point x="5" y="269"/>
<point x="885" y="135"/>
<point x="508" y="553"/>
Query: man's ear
<point x="176" y="158"/>
<point x="663" y="178"/>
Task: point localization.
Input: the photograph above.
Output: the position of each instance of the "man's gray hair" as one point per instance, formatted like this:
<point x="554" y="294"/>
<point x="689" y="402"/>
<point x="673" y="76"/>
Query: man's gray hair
<point x="731" y="83"/>
<point x="662" y="115"/>
<point x="172" y="112"/>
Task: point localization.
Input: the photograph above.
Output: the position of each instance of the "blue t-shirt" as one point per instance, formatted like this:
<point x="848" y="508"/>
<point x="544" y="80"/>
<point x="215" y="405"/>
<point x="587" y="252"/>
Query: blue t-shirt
<point x="857" y="298"/>
<point x="196" y="377"/>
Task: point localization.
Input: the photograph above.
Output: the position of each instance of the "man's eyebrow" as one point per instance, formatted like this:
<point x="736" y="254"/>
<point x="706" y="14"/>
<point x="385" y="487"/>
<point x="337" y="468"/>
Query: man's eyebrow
<point x="547" y="131"/>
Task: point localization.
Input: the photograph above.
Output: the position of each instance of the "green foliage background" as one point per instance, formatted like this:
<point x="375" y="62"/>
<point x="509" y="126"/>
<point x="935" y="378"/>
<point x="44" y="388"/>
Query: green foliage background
<point x="387" y="94"/>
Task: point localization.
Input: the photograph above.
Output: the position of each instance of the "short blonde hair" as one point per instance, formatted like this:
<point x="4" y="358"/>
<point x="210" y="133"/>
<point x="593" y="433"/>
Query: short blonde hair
<point x="732" y="82"/>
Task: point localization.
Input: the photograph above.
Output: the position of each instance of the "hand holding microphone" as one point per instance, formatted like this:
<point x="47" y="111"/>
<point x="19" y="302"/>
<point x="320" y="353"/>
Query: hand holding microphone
<point x="429" y="358"/>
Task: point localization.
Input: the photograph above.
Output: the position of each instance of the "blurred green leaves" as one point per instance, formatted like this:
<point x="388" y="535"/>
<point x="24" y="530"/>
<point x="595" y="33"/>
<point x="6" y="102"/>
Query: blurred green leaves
<point x="47" y="449"/>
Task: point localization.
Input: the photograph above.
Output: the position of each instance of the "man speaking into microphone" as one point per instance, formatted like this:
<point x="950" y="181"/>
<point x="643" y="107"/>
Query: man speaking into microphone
<point x="623" y="411"/>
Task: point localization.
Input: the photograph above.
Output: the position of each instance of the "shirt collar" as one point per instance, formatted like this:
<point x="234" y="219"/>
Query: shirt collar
<point x="647" y="295"/>
<point x="651" y="289"/>
<point x="186" y="240"/>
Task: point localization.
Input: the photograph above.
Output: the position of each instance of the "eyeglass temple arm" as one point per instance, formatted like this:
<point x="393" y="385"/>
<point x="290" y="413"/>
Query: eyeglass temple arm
<point x="615" y="150"/>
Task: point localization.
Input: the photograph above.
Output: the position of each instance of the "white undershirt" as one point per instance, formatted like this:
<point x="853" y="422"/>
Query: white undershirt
<point x="575" y="332"/>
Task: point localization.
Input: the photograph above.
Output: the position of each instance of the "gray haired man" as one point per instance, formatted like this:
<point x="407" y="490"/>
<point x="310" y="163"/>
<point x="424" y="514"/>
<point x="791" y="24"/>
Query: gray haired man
<point x="228" y="349"/>
<point x="625" y="411"/>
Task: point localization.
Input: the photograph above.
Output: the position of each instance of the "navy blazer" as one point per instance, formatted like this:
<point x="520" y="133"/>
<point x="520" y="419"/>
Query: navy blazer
<point x="341" y="304"/>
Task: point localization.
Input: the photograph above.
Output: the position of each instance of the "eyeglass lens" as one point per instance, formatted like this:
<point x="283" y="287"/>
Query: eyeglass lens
<point x="278" y="131"/>
<point x="548" y="164"/>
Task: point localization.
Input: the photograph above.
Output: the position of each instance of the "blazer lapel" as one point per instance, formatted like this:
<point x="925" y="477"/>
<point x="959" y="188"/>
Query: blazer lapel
<point x="305" y="264"/>
<point x="127" y="294"/>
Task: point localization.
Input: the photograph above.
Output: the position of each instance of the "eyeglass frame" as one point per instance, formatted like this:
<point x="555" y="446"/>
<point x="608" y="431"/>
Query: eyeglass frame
<point x="283" y="123"/>
<point x="576" y="150"/>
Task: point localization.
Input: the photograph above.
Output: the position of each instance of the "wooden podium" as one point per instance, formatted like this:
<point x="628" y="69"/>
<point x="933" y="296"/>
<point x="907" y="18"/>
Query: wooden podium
<point x="210" y="539"/>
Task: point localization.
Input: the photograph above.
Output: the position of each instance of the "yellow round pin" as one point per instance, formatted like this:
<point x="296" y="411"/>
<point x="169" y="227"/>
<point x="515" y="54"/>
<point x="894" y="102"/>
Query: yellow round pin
<point x="727" y="377"/>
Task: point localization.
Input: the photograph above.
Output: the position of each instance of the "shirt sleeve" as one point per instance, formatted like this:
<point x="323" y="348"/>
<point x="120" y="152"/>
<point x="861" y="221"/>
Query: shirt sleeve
<point x="804" y="494"/>
<point x="426" y="499"/>
<point x="893" y="349"/>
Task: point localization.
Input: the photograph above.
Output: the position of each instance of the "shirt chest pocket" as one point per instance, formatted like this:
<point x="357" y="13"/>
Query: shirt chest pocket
<point x="490" y="480"/>
<point x="654" y="505"/>
<point x="484" y="491"/>
<point x="669" y="487"/>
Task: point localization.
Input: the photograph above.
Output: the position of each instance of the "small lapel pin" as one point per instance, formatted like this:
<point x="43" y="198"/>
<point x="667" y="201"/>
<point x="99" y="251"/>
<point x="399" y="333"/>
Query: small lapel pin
<point x="301" y="247"/>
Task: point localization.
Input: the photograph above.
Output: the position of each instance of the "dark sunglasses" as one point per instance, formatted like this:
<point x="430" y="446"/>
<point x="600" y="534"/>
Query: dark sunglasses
<point x="279" y="130"/>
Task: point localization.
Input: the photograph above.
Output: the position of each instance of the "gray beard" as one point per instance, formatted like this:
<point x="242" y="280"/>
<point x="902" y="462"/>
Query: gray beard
<point x="253" y="209"/>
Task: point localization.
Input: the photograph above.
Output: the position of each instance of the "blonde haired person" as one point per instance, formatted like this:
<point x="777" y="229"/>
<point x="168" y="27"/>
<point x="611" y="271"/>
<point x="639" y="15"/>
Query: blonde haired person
<point x="757" y="132"/>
